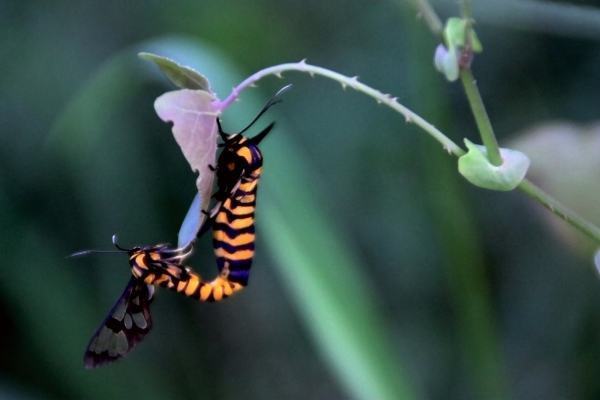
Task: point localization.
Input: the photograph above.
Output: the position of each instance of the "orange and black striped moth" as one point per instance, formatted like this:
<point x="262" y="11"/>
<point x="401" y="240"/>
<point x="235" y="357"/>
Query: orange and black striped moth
<point x="238" y="172"/>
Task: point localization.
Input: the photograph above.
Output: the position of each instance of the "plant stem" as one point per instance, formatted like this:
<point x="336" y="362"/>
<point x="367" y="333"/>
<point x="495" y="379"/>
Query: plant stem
<point x="570" y="216"/>
<point x="465" y="7"/>
<point x="484" y="125"/>
<point x="411" y="117"/>
<point x="489" y="139"/>
<point x="351" y="82"/>
<point x="546" y="17"/>
<point x="481" y="117"/>
<point x="430" y="17"/>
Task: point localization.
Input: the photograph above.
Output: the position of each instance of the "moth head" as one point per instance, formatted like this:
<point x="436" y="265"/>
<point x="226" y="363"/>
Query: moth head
<point x="161" y="253"/>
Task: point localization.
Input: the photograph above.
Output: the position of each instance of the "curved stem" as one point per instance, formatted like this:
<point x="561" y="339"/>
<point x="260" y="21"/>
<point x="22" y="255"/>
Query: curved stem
<point x="487" y="133"/>
<point x="353" y="83"/>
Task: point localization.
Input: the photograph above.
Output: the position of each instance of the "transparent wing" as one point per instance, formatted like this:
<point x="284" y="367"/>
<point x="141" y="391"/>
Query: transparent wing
<point x="127" y="323"/>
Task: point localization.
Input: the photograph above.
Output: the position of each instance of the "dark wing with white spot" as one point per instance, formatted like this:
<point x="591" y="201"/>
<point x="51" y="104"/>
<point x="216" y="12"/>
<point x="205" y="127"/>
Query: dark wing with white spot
<point x="127" y="323"/>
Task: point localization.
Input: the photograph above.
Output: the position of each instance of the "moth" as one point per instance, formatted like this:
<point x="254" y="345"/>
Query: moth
<point x="129" y="320"/>
<point x="238" y="172"/>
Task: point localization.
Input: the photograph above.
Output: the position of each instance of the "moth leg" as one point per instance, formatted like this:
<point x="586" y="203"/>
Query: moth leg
<point x="218" y="289"/>
<point x="178" y="273"/>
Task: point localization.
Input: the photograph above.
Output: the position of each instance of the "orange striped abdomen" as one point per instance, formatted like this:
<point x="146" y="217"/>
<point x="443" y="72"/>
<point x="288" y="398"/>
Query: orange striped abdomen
<point x="192" y="285"/>
<point x="151" y="267"/>
<point x="233" y="232"/>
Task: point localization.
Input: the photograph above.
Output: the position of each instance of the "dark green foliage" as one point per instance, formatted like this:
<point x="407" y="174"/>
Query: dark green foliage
<point x="472" y="294"/>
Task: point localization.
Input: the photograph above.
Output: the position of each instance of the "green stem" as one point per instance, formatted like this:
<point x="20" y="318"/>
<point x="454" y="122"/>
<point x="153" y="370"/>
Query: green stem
<point x="464" y="264"/>
<point x="465" y="7"/>
<point x="486" y="131"/>
<point x="489" y="139"/>
<point x="540" y="16"/>
<point x="481" y="117"/>
<point x="430" y="17"/>
<point x="570" y="216"/>
<point x="411" y="117"/>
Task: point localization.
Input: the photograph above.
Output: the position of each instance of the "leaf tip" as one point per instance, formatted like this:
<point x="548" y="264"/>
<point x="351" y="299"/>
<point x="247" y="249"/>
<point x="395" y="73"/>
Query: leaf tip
<point x="180" y="75"/>
<point x="144" y="55"/>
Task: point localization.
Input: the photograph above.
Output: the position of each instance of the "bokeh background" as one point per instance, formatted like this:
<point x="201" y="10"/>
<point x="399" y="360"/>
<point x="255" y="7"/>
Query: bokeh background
<point x="380" y="273"/>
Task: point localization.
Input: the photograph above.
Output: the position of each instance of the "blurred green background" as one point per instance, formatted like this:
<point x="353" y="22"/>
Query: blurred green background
<point x="380" y="273"/>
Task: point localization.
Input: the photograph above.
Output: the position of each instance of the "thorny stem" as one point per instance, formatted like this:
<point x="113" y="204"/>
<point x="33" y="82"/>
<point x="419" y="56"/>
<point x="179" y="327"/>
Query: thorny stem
<point x="557" y="208"/>
<point x="526" y="186"/>
<point x="351" y="82"/>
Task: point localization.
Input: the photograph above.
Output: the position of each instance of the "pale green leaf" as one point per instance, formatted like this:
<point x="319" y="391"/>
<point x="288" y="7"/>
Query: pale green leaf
<point x="455" y="35"/>
<point x="182" y="76"/>
<point x="478" y="170"/>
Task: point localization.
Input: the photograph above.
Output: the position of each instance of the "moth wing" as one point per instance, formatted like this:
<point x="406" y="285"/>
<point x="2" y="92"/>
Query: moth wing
<point x="127" y="323"/>
<point x="216" y="208"/>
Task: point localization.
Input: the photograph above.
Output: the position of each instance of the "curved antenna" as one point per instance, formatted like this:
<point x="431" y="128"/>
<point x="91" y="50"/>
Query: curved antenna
<point x="261" y="135"/>
<point x="271" y="102"/>
<point x="82" y="253"/>
<point x="221" y="133"/>
<point x="114" y="242"/>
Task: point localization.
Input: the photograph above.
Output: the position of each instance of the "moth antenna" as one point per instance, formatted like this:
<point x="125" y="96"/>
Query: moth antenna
<point x="115" y="238"/>
<point x="221" y="133"/>
<point x="261" y="135"/>
<point x="82" y="253"/>
<point x="271" y="102"/>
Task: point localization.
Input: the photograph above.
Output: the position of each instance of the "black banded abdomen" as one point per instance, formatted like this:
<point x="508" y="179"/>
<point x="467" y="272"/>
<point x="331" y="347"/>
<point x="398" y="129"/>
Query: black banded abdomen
<point x="233" y="233"/>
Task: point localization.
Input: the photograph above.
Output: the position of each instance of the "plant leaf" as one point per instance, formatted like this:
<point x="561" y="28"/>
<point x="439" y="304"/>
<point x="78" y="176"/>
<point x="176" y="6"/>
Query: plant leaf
<point x="477" y="169"/>
<point x="338" y="308"/>
<point x="192" y="222"/>
<point x="194" y="117"/>
<point x="182" y="76"/>
<point x="454" y="33"/>
<point x="324" y="280"/>
<point x="446" y="62"/>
